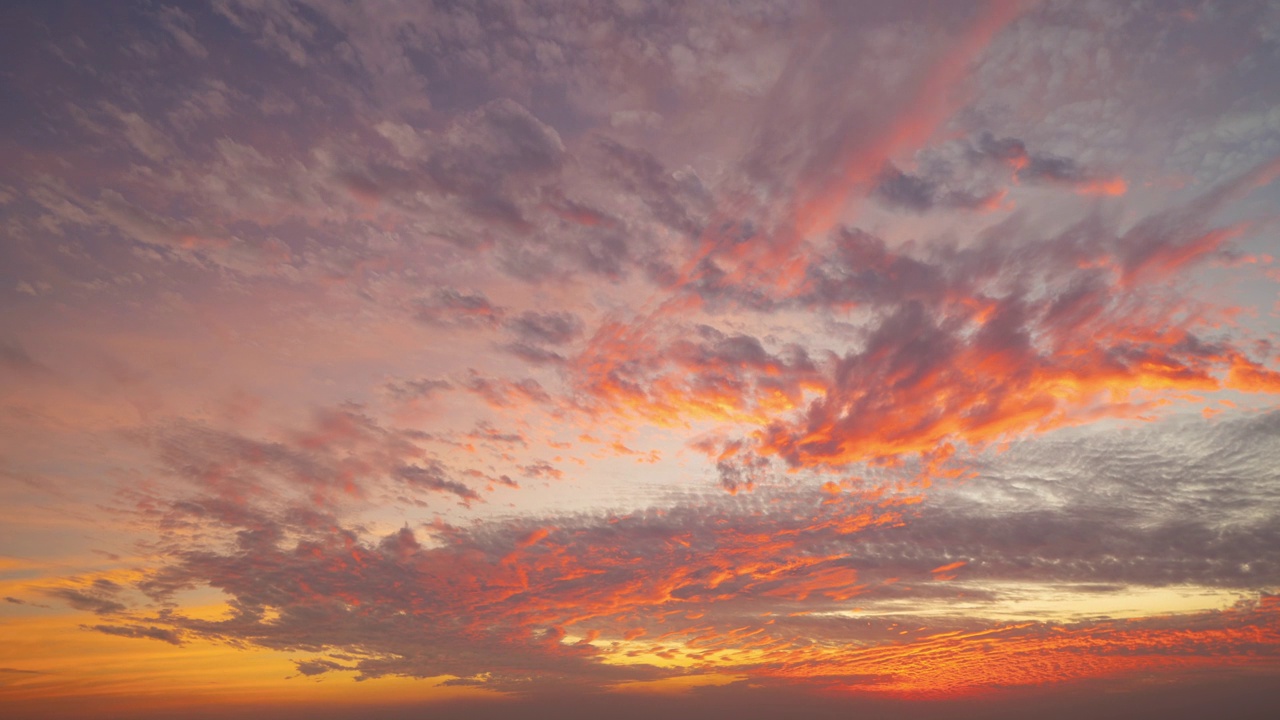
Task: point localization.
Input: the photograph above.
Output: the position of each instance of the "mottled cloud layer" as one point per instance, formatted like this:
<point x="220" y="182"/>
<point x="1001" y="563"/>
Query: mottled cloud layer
<point x="845" y="586"/>
<point x="880" y="352"/>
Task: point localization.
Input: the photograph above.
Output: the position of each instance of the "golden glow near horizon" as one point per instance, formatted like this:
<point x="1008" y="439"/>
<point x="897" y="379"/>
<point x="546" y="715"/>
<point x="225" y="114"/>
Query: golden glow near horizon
<point x="1061" y="603"/>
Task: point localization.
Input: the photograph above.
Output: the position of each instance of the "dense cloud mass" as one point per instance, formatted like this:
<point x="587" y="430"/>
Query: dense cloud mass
<point x="695" y="577"/>
<point x="905" y="359"/>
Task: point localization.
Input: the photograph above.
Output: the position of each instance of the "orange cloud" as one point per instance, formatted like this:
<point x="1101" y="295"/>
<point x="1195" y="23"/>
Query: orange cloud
<point x="1106" y="186"/>
<point x="956" y="663"/>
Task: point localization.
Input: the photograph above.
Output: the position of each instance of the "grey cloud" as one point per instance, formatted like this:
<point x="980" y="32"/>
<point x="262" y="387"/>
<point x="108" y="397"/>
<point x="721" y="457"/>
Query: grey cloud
<point x="432" y="477"/>
<point x="1007" y="149"/>
<point x="1177" y="504"/>
<point x="742" y="474"/>
<point x="859" y="268"/>
<point x="342" y="456"/>
<point x="953" y="176"/>
<point x="98" y="600"/>
<point x="168" y="635"/>
<point x="279" y="27"/>
<point x="607" y="254"/>
<point x="715" y="349"/>
<point x="533" y="354"/>
<point x="491" y="161"/>
<point x="679" y="202"/>
<point x="909" y="192"/>
<point x="597" y="227"/>
<point x="180" y="25"/>
<point x="501" y="172"/>
<point x="1053" y="169"/>
<point x="227" y="463"/>
<point x="486" y="431"/>
<point x="450" y="307"/>
<point x="1033" y="167"/>
<point x="1165" y="242"/>
<point x="546" y="328"/>
<point x="542" y="470"/>
<point x="417" y="388"/>
<point x="311" y="668"/>
<point x="920" y="193"/>
<point x="144" y="137"/>
<point x="498" y="145"/>
<point x="500" y="393"/>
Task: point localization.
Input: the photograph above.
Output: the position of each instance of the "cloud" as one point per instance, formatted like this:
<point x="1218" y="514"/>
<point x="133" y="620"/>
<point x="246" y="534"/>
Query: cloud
<point x="413" y="389"/>
<point x="486" y="162"/>
<point x="713" y="575"/>
<point x="552" y="328"/>
<point x="100" y="600"/>
<point x="839" y="245"/>
<point x="965" y="175"/>
<point x="535" y="331"/>
<point x="432" y="477"/>
<point x="503" y="594"/>
<point x="342" y="457"/>
<point x="1003" y="656"/>
<point x="918" y="193"/>
<point x="961" y="345"/>
<point x="502" y="393"/>
<point x="180" y="25"/>
<point x="1044" y="168"/>
<point x="454" y="308"/>
<point x="716" y="581"/>
<point x="487" y="432"/>
<point x="678" y="201"/>
<point x="311" y="668"/>
<point x="280" y="28"/>
<point x="138" y="631"/>
<point x="1172" y="505"/>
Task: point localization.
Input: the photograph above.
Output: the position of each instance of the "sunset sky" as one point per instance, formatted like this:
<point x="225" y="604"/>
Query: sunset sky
<point x="639" y="359"/>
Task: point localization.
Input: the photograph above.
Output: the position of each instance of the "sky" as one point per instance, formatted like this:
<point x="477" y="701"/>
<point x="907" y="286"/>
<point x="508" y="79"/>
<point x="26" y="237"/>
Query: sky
<point x="566" y="359"/>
